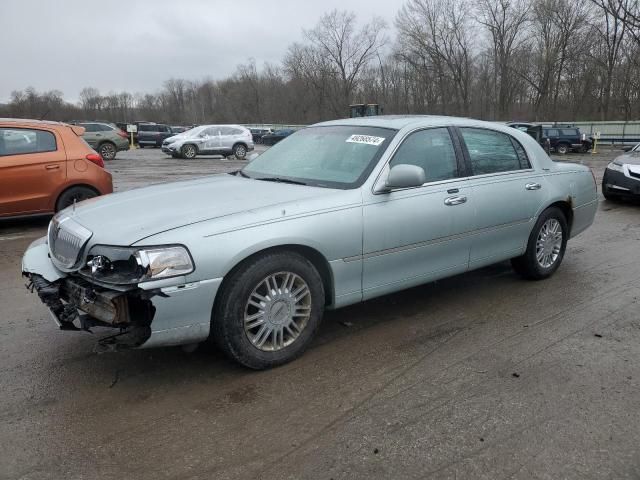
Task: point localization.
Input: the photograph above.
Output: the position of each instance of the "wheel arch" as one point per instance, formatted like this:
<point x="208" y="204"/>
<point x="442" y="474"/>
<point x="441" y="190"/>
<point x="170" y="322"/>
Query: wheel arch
<point x="317" y="259"/>
<point x="69" y="187"/>
<point x="566" y="206"/>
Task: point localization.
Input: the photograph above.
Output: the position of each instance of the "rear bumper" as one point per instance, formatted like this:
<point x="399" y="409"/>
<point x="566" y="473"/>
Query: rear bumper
<point x="141" y="316"/>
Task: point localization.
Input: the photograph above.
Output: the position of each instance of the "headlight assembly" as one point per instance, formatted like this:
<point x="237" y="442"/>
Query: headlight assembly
<point x="130" y="265"/>
<point x="615" y="167"/>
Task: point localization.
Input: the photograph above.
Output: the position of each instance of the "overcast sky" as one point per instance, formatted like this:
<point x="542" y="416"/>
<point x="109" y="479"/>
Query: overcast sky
<point x="136" y="45"/>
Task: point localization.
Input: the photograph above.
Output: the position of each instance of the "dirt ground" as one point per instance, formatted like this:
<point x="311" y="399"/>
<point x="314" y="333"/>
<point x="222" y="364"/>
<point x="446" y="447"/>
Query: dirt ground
<point x="483" y="375"/>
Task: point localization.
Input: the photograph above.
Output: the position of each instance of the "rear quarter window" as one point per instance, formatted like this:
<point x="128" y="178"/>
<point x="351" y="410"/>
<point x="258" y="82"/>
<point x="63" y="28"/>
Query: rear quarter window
<point x="21" y="141"/>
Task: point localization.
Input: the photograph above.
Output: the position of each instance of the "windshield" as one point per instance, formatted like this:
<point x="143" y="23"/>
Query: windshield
<point x="334" y="156"/>
<point x="194" y="132"/>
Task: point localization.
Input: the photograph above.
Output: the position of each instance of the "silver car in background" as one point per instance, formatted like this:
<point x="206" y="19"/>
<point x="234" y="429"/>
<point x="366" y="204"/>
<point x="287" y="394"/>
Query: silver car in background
<point x="225" y="140"/>
<point x="336" y="213"/>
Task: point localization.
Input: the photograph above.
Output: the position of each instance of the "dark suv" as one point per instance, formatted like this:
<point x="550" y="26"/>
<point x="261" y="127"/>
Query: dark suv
<point x="152" y="134"/>
<point x="566" y="139"/>
<point x="561" y="139"/>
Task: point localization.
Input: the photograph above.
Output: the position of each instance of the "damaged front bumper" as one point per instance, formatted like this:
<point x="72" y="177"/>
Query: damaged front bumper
<point x="143" y="315"/>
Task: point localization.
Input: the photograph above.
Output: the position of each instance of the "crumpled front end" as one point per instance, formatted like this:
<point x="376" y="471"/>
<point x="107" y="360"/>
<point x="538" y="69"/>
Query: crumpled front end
<point x="169" y="311"/>
<point x="76" y="304"/>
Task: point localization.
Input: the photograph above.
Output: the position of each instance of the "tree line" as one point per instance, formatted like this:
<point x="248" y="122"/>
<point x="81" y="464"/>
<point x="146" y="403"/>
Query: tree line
<point x="491" y="59"/>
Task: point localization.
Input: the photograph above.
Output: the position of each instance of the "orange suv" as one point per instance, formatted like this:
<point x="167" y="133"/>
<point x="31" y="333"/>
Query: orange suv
<point x="47" y="166"/>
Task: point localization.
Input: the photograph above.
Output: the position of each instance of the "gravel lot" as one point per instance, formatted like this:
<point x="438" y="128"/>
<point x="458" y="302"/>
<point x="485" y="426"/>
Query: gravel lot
<point x="482" y="375"/>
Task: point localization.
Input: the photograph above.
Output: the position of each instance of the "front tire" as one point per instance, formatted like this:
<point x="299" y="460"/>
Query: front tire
<point x="189" y="152"/>
<point x="269" y="310"/>
<point x="74" y="195"/>
<point x="546" y="246"/>
<point x="562" y="149"/>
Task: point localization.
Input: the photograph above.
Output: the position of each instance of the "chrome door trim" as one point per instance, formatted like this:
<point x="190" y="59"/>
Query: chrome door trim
<point x="433" y="241"/>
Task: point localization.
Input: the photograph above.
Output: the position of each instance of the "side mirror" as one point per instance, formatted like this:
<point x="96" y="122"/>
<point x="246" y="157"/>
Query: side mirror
<point x="405" y="176"/>
<point x="627" y="149"/>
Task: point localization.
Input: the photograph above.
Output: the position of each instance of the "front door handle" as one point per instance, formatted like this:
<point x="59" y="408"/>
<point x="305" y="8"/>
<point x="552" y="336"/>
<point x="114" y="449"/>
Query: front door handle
<point x="533" y="186"/>
<point x="52" y="167"/>
<point x="456" y="200"/>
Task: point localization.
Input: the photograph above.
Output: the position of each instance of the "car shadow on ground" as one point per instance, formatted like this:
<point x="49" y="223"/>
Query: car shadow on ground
<point x="434" y="306"/>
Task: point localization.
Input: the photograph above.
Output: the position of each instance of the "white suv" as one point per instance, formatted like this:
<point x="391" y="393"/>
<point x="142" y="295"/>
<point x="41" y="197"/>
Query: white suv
<point x="225" y="140"/>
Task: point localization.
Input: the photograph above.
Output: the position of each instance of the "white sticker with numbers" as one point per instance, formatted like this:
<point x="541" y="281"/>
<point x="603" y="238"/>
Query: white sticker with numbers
<point x="366" y="139"/>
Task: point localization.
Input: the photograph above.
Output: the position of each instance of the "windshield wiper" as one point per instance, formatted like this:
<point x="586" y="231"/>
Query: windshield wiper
<point x="281" y="180"/>
<point x="241" y="173"/>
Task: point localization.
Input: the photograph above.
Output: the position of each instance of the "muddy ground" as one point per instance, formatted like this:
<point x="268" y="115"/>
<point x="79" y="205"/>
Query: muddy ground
<point x="483" y="375"/>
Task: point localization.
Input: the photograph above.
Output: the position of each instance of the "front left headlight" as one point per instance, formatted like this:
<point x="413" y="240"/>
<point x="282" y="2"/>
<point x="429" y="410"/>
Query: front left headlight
<point x="130" y="265"/>
<point x="616" y="167"/>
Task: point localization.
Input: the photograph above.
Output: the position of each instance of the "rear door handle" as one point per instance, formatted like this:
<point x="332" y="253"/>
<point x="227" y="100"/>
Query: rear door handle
<point x="533" y="186"/>
<point x="456" y="200"/>
<point x="52" y="167"/>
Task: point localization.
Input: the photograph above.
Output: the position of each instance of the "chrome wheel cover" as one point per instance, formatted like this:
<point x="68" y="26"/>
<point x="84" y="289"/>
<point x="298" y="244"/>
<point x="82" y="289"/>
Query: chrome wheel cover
<point x="277" y="311"/>
<point x="241" y="151"/>
<point x="549" y="243"/>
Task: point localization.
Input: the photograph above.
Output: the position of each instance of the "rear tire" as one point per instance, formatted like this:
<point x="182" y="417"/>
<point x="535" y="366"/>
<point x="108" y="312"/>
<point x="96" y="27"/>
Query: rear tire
<point x="77" y="194"/>
<point x="239" y="151"/>
<point x="259" y="320"/>
<point x="107" y="150"/>
<point x="562" y="149"/>
<point x="546" y="246"/>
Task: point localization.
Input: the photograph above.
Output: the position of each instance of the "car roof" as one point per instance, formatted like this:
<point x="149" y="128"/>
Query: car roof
<point x="30" y="121"/>
<point x="399" y="122"/>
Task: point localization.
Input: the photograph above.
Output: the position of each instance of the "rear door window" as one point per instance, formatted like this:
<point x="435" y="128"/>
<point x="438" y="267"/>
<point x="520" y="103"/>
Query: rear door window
<point x="21" y="141"/>
<point x="569" y="132"/>
<point x="491" y="151"/>
<point x="553" y="132"/>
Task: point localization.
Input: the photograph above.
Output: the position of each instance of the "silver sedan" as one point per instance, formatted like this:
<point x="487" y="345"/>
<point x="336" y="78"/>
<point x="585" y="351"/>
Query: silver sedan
<point x="337" y="213"/>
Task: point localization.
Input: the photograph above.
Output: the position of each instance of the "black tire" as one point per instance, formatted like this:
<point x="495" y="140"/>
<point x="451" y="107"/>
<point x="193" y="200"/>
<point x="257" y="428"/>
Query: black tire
<point x="140" y="146"/>
<point x="189" y="151"/>
<point x="562" y="148"/>
<point x="107" y="150"/>
<point x="228" y="318"/>
<point x="528" y="265"/>
<point x="240" y="151"/>
<point x="77" y="194"/>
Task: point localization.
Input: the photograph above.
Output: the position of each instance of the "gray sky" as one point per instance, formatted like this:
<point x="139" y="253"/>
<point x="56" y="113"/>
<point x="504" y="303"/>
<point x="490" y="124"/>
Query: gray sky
<point x="136" y="45"/>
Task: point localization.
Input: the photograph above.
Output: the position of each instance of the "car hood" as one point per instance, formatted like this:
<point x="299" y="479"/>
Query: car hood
<point x="174" y="138"/>
<point x="128" y="217"/>
<point x="630" y="158"/>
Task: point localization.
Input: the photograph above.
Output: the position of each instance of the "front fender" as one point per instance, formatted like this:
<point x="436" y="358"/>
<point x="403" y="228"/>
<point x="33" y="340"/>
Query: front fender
<point x="36" y="260"/>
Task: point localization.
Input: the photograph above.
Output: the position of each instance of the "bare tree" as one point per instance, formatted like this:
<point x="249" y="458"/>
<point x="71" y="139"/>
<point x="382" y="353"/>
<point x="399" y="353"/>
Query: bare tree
<point x="434" y="37"/>
<point x="348" y="50"/>
<point x="505" y="21"/>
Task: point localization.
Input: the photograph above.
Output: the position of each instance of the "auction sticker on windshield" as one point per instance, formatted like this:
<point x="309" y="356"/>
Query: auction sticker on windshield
<point x="366" y="139"/>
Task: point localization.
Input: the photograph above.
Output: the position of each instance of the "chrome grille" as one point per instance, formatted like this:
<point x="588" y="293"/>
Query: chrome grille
<point x="66" y="240"/>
